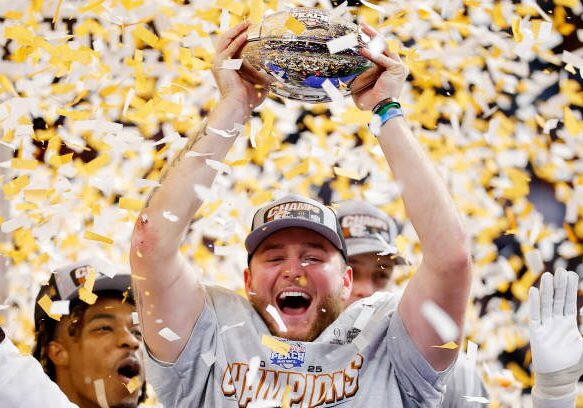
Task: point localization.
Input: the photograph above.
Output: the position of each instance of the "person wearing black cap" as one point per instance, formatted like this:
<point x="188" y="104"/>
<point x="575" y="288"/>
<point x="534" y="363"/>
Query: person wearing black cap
<point x="218" y="348"/>
<point x="89" y="345"/>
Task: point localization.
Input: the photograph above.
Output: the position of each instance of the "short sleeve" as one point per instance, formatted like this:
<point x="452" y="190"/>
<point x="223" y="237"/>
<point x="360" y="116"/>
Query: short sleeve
<point x="420" y="384"/>
<point x="177" y="383"/>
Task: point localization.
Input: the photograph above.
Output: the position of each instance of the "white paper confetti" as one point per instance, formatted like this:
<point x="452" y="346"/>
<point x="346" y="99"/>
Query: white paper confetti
<point x="377" y="45"/>
<point x="373" y="6"/>
<point x="168" y="334"/>
<point x="224" y="133"/>
<point x="572" y="59"/>
<point x="130" y="95"/>
<point x="144" y="183"/>
<point x="273" y="312"/>
<point x="60" y="307"/>
<point x="444" y="325"/>
<point x="252" y="371"/>
<point x="15" y="223"/>
<point x="234" y="64"/>
<point x="135" y="318"/>
<point x="333" y="92"/>
<point x="342" y="43"/>
<point x="218" y="166"/>
<point x="100" y="393"/>
<point x="480" y="400"/>
<point x="230" y="327"/>
<point x="534" y="261"/>
<point x="169" y="216"/>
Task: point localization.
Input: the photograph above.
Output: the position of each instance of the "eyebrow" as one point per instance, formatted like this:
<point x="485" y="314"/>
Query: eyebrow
<point x="102" y="316"/>
<point x="312" y="245"/>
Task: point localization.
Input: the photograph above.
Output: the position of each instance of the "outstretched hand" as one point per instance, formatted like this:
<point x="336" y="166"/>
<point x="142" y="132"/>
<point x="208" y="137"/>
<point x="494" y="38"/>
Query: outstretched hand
<point x="245" y="86"/>
<point x="385" y="79"/>
<point x="554" y="336"/>
<point x="555" y="340"/>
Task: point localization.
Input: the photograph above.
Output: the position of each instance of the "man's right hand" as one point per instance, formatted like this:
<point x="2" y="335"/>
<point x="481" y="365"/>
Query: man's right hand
<point x="556" y="343"/>
<point x="245" y="87"/>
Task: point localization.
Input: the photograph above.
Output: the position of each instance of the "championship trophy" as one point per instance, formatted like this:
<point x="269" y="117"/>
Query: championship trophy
<point x="302" y="48"/>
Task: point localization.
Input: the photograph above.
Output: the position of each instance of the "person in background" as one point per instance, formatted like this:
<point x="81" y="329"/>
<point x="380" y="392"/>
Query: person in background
<point x="370" y="242"/>
<point x="90" y="357"/>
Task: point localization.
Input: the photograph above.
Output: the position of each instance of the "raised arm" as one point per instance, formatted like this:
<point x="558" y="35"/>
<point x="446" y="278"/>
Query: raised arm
<point x="555" y="341"/>
<point x="444" y="274"/>
<point x="164" y="283"/>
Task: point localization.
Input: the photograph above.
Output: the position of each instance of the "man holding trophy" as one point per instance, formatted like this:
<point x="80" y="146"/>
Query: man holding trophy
<point x="281" y="346"/>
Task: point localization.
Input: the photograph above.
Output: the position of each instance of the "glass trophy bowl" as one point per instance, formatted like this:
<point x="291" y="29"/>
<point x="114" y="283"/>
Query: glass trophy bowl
<point x="300" y="62"/>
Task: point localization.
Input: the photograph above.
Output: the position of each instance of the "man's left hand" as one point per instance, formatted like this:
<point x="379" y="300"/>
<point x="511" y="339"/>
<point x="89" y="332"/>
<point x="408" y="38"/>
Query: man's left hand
<point x="386" y="78"/>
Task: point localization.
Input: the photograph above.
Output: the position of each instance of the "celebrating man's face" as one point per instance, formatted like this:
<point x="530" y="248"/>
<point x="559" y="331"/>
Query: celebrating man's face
<point x="101" y="343"/>
<point x="299" y="276"/>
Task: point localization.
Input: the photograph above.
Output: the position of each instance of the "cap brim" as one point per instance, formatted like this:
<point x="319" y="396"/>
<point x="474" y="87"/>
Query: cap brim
<point x="119" y="282"/>
<point x="262" y="233"/>
<point x="374" y="247"/>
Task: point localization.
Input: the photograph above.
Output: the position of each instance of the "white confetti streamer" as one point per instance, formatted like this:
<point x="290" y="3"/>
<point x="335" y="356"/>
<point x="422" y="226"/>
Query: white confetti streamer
<point x="230" y="327"/>
<point x="145" y="183"/>
<point x="373" y="6"/>
<point x="333" y="92"/>
<point x="234" y="64"/>
<point x="168" y="334"/>
<point x="60" y="307"/>
<point x="99" y="386"/>
<point x="218" y="166"/>
<point x="534" y="261"/>
<point x="440" y="321"/>
<point x="342" y="43"/>
<point x="572" y="59"/>
<point x="252" y="371"/>
<point x="135" y="318"/>
<point x="273" y="312"/>
<point x="169" y="216"/>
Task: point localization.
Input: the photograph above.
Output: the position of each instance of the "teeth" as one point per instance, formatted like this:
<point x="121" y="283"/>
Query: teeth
<point x="289" y="293"/>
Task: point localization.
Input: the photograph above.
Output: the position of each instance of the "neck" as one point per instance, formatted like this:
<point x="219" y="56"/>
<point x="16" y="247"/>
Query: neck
<point x="63" y="380"/>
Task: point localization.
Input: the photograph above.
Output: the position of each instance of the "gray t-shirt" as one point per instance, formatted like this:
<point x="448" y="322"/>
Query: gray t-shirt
<point x="464" y="381"/>
<point x="364" y="359"/>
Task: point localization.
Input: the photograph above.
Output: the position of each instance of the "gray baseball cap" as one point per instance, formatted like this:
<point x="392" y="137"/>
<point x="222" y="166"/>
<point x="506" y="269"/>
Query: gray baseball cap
<point x="65" y="283"/>
<point x="367" y="229"/>
<point x="295" y="211"/>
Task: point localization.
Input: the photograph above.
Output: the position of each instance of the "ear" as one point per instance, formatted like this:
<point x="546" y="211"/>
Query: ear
<point x="247" y="279"/>
<point x="347" y="283"/>
<point x="58" y="354"/>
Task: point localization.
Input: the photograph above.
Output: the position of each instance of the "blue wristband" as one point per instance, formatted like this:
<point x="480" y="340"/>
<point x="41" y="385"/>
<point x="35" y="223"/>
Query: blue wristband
<point x="390" y="114"/>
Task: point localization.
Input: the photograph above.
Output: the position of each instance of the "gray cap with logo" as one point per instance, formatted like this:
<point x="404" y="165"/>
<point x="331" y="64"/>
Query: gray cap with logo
<point x="295" y="211"/>
<point x="367" y="229"/>
<point x="65" y="283"/>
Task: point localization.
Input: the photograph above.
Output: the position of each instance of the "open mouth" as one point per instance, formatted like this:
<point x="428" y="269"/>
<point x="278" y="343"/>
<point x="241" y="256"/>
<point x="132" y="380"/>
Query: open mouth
<point x="293" y="302"/>
<point x="128" y="369"/>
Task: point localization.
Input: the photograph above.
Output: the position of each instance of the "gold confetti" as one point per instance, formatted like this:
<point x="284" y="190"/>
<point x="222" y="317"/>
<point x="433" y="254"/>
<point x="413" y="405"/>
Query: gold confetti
<point x="275" y="345"/>
<point x="45" y="303"/>
<point x="451" y="345"/>
<point x="96" y="237"/>
<point x="130" y="204"/>
<point x="295" y="25"/>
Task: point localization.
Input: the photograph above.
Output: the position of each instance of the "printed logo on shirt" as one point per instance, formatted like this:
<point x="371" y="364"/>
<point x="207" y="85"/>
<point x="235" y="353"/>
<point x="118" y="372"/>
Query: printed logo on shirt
<point x="295" y="209"/>
<point x="295" y="358"/>
<point x="306" y="390"/>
